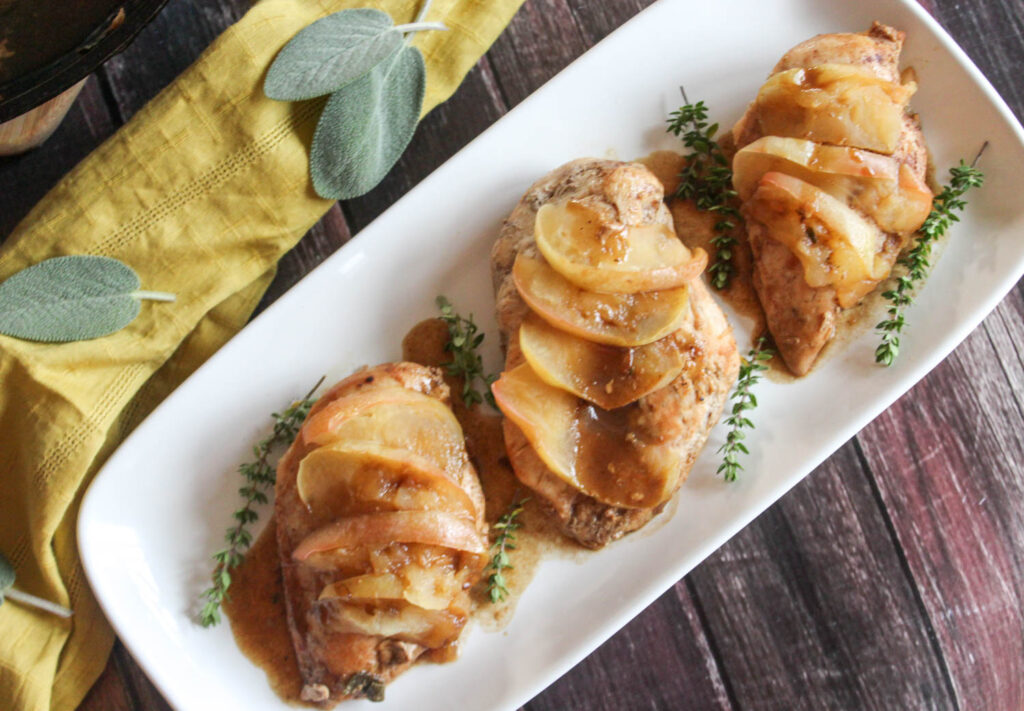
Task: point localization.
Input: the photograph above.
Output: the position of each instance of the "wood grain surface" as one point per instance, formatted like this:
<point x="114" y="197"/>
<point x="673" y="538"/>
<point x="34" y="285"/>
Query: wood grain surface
<point x="890" y="578"/>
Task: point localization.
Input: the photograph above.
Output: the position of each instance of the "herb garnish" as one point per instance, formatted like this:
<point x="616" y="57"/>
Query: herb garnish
<point x="259" y="477"/>
<point x="71" y="299"/>
<point x="376" y="81"/>
<point x="707" y="180"/>
<point x="962" y="178"/>
<point x="751" y="368"/>
<point x="504" y="541"/>
<point x="7" y="590"/>
<point x="466" y="363"/>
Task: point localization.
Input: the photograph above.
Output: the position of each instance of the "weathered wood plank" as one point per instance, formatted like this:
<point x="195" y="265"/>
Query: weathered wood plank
<point x="810" y="608"/>
<point x="540" y="41"/>
<point x="948" y="459"/>
<point x="24" y="179"/>
<point x="165" y="48"/>
<point x="110" y="692"/>
<point x="144" y="695"/>
<point x="629" y="670"/>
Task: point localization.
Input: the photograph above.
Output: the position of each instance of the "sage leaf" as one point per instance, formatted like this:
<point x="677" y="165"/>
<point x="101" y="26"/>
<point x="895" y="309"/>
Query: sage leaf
<point x="6" y="576"/>
<point x="71" y="299"/>
<point x="366" y="126"/>
<point x="331" y="53"/>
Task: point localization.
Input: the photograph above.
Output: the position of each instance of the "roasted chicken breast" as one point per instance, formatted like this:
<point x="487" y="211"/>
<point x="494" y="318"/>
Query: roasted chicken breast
<point x="609" y="389"/>
<point x="831" y="168"/>
<point x="380" y="531"/>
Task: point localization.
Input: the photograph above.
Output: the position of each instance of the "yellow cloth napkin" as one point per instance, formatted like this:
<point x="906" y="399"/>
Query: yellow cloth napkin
<point x="201" y="193"/>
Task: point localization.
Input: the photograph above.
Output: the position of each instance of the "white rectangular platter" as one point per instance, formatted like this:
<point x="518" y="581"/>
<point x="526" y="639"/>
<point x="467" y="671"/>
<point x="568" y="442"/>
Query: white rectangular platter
<point x="159" y="508"/>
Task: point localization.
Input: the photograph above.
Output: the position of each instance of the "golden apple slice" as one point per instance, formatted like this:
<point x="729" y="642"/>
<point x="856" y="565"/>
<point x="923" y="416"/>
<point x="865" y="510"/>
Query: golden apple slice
<point x="877" y="185"/>
<point x="348" y="478"/>
<point x="430" y="589"/>
<point x="608" y="376"/>
<point x="835" y="245"/>
<point x="612" y="319"/>
<point x="396" y="619"/>
<point x="610" y="258"/>
<point x="593" y="450"/>
<point x="379" y="529"/>
<point x="841" y="104"/>
<point x="321" y="425"/>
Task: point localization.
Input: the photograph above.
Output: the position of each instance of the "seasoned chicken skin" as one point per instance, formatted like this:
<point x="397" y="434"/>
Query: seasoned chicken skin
<point x="380" y="531"/>
<point x="801" y="303"/>
<point x="673" y="420"/>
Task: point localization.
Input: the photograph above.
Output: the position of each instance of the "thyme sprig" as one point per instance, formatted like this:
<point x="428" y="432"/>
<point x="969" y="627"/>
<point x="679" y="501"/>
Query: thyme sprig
<point x="945" y="205"/>
<point x="466" y="363"/>
<point x="751" y="368"/>
<point x="707" y="180"/>
<point x="259" y="477"/>
<point x="504" y="541"/>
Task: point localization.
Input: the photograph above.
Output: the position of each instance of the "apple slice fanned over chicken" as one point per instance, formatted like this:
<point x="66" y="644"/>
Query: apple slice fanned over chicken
<point x="380" y="531"/>
<point x="618" y="362"/>
<point x="830" y="169"/>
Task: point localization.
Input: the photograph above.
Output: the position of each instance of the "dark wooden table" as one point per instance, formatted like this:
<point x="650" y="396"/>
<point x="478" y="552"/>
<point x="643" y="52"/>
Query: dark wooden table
<point x="891" y="578"/>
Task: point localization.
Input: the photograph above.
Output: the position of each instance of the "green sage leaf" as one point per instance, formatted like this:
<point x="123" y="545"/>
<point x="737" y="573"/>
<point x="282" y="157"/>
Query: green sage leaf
<point x="6" y="576"/>
<point x="71" y="299"/>
<point x="331" y="53"/>
<point x="366" y="126"/>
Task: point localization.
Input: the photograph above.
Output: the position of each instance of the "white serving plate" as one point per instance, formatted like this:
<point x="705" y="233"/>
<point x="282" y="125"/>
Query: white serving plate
<point x="157" y="511"/>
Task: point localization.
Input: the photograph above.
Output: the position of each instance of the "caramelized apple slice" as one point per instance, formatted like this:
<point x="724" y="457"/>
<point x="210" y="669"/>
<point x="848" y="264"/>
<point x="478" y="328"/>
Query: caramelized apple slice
<point x="395" y="619"/>
<point x="378" y="529"/>
<point x="835" y="245"/>
<point x="612" y="319"/>
<point x="596" y="451"/>
<point x="424" y="427"/>
<point x="607" y="376"/>
<point x="545" y="414"/>
<point x="349" y="478"/>
<point x="610" y="258"/>
<point x="430" y="590"/>
<point x="878" y="185"/>
<point x="321" y="425"/>
<point x="841" y="104"/>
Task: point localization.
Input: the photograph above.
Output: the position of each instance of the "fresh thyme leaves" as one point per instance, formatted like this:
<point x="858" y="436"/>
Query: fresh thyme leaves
<point x="259" y="477"/>
<point x="72" y="298"/>
<point x="504" y="541"/>
<point x="466" y="363"/>
<point x="750" y="373"/>
<point x="707" y="180"/>
<point x="946" y="204"/>
<point x="376" y="81"/>
<point x="8" y="591"/>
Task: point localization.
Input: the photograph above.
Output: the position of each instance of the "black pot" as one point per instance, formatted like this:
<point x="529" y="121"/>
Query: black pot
<point x="47" y="46"/>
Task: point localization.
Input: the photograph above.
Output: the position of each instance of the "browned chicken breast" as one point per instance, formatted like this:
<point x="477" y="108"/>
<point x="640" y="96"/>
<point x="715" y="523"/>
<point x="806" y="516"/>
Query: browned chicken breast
<point x="831" y="170"/>
<point x="380" y="531"/>
<point x="614" y="375"/>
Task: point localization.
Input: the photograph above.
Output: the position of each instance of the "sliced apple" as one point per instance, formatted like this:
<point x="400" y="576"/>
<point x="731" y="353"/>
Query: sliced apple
<point x="423" y="588"/>
<point x="545" y="414"/>
<point x="596" y="451"/>
<point x="841" y="104"/>
<point x="395" y="619"/>
<point x="610" y="258"/>
<point x="612" y="319"/>
<point x="835" y="244"/>
<point x="878" y="185"/>
<point x="348" y="478"/>
<point x="321" y="425"/>
<point x="378" y="529"/>
<point x="608" y="376"/>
